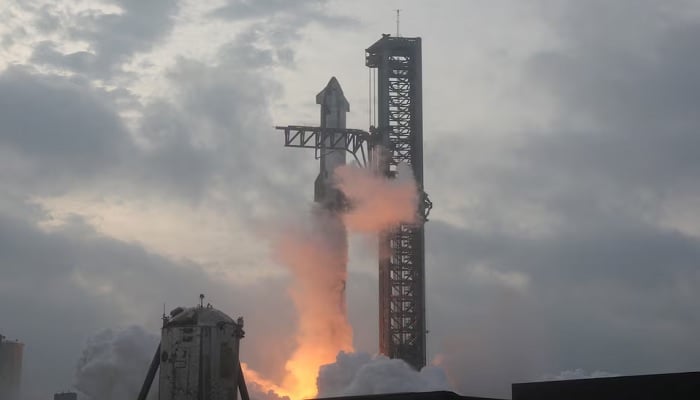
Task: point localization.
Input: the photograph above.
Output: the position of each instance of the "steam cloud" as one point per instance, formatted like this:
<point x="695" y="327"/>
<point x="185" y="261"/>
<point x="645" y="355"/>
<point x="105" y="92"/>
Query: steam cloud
<point x="114" y="364"/>
<point x="377" y="203"/>
<point x="362" y="374"/>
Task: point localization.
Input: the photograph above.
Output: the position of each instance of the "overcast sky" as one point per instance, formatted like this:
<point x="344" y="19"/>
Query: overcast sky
<point x="139" y="166"/>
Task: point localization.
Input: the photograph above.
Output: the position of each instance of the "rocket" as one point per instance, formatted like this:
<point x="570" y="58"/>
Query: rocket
<point x="332" y="203"/>
<point x="334" y="106"/>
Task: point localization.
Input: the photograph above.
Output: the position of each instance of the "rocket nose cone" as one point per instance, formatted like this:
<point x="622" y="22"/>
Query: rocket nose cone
<point x="332" y="94"/>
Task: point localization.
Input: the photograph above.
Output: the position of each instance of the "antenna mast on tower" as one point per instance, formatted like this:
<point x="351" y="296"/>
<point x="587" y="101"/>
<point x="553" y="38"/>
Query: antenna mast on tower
<point x="398" y="19"/>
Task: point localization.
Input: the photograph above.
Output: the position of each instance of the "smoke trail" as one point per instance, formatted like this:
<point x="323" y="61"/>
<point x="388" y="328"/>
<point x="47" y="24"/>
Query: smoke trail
<point x="316" y="254"/>
<point x="113" y="364"/>
<point x="362" y="374"/>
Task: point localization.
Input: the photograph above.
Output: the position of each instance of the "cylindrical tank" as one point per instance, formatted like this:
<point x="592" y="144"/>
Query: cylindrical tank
<point x="10" y="368"/>
<point x="199" y="355"/>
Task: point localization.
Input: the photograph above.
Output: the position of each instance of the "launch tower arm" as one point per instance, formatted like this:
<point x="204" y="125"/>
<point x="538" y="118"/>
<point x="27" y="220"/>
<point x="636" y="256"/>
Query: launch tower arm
<point x="354" y="141"/>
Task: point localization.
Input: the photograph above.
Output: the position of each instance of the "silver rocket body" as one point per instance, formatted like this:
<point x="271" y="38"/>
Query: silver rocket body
<point x="334" y="107"/>
<point x="330" y="201"/>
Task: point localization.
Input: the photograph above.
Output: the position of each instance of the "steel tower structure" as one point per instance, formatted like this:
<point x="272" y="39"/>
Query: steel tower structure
<point x="399" y="119"/>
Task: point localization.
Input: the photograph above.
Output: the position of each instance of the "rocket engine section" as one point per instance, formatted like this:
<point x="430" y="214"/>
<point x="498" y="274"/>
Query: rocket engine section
<point x="199" y="355"/>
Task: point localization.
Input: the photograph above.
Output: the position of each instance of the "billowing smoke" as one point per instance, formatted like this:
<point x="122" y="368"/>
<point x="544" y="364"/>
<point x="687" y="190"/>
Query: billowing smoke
<point x="377" y="203"/>
<point x="114" y="363"/>
<point x="362" y="374"/>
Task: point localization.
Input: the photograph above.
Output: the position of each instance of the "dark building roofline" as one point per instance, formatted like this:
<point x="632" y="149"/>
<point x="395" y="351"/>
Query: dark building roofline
<point x="675" y="386"/>
<point x="438" y="395"/>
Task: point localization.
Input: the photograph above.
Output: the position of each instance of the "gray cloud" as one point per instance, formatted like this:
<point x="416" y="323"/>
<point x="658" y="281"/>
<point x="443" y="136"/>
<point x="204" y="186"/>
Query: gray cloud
<point x="33" y="105"/>
<point x="279" y="23"/>
<point x="584" y="294"/>
<point x="594" y="281"/>
<point x="113" y="364"/>
<point x="112" y="37"/>
<point x="217" y="132"/>
<point x="639" y="107"/>
<point x="62" y="132"/>
<point x="56" y="129"/>
<point x="299" y="10"/>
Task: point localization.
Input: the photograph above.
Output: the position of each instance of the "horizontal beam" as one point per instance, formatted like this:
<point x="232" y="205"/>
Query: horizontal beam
<point x="354" y="141"/>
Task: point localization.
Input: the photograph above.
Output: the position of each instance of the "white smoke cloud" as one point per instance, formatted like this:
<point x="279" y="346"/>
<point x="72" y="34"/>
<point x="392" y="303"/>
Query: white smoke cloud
<point x="577" y="373"/>
<point x="113" y="365"/>
<point x="378" y="203"/>
<point x="362" y="374"/>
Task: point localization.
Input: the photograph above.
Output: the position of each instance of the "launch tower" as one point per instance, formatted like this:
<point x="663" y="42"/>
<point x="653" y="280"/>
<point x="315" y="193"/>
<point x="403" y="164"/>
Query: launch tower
<point x="399" y="124"/>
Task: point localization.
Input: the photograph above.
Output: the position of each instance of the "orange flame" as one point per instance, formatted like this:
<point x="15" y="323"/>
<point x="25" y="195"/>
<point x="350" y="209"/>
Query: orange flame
<point x="317" y="258"/>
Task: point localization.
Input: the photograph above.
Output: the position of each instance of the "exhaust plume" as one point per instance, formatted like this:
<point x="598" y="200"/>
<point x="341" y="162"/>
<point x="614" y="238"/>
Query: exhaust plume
<point x="316" y="254"/>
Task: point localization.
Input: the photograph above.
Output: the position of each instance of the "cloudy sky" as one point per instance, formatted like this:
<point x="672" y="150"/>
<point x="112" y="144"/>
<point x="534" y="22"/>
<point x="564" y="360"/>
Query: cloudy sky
<point x="139" y="166"/>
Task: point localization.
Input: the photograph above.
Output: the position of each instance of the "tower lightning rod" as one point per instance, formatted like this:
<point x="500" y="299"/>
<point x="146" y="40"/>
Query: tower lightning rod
<point x="398" y="18"/>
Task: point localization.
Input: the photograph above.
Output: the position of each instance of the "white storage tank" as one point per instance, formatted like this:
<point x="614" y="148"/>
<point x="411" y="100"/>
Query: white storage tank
<point x="199" y="355"/>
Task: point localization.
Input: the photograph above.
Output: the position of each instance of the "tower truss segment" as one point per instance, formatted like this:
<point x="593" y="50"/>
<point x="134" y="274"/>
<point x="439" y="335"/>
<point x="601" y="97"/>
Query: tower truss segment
<point x="399" y="111"/>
